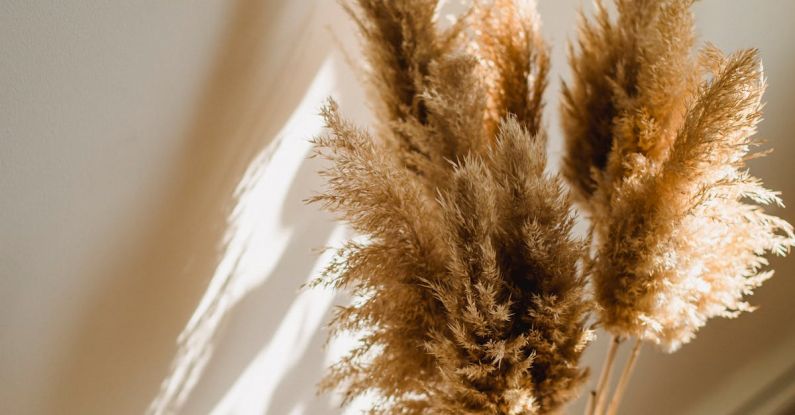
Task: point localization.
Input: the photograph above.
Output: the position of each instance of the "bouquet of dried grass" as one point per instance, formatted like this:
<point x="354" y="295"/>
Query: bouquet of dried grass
<point x="657" y="141"/>
<point x="470" y="289"/>
<point x="468" y="283"/>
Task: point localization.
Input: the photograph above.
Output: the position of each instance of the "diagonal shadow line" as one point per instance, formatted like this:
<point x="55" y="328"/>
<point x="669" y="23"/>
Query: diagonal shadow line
<point x="298" y="389"/>
<point x="292" y="216"/>
<point x="254" y="319"/>
<point x="257" y="316"/>
<point x="299" y="385"/>
<point x="125" y="340"/>
<point x="769" y="392"/>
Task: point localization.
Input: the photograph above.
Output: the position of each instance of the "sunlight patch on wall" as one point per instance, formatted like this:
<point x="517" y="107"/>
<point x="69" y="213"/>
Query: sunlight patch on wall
<point x="254" y="389"/>
<point x="252" y="247"/>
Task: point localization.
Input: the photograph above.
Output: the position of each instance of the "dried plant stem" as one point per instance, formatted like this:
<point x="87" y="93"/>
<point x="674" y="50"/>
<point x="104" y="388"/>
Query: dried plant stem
<point x="624" y="380"/>
<point x="597" y="401"/>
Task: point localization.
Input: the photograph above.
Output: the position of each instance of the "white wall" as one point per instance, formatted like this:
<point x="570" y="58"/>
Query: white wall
<point x="125" y="128"/>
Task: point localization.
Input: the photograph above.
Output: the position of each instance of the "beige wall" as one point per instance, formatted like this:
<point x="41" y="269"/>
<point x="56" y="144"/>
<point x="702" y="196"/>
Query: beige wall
<point x="125" y="128"/>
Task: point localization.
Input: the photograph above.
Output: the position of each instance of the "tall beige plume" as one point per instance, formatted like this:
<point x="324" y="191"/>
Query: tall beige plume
<point x="469" y="296"/>
<point x="657" y="141"/>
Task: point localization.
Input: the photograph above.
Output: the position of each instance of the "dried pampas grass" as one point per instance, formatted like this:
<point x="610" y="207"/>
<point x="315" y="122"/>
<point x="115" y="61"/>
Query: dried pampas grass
<point x="468" y="288"/>
<point x="656" y="147"/>
<point x="656" y="144"/>
<point x="514" y="61"/>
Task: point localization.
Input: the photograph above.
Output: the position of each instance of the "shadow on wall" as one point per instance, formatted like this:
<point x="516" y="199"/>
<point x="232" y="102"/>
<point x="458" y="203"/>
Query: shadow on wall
<point x="125" y="344"/>
<point x="252" y="322"/>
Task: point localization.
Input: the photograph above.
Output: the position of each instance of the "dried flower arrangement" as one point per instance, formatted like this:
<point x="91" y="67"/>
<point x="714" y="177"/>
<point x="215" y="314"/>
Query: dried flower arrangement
<point x="472" y="294"/>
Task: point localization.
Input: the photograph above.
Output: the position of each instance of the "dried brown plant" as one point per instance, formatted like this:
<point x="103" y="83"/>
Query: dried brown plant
<point x="512" y="293"/>
<point x="514" y="61"/>
<point x="414" y="65"/>
<point x="632" y="79"/>
<point x="657" y="143"/>
<point x="468" y="294"/>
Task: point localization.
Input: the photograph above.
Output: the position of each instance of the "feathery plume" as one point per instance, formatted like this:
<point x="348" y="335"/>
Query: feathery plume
<point x="631" y="81"/>
<point x="512" y="294"/>
<point x="469" y="295"/>
<point x="656" y="151"/>
<point x="407" y="53"/>
<point x="514" y="61"/>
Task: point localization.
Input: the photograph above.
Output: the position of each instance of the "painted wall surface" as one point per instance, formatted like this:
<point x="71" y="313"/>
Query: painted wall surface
<point x="152" y="163"/>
